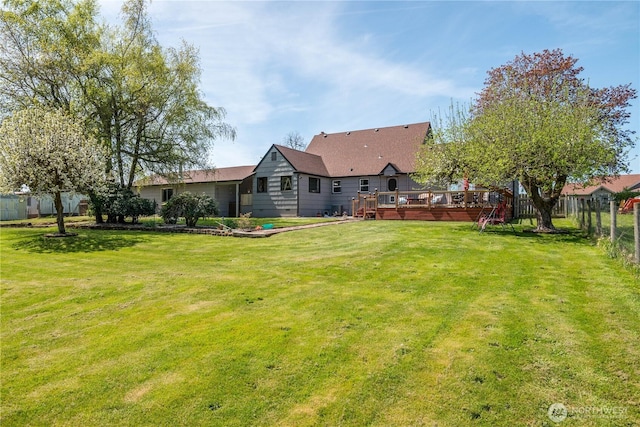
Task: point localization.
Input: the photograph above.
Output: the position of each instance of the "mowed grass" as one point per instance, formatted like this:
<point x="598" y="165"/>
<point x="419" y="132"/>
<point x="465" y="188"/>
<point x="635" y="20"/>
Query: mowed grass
<point x="368" y="323"/>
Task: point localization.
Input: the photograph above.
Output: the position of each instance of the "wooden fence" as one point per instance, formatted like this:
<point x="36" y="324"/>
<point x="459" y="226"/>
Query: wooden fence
<point x="523" y="208"/>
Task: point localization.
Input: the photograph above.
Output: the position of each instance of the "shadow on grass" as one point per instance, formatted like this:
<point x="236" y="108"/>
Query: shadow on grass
<point x="565" y="235"/>
<point x="94" y="241"/>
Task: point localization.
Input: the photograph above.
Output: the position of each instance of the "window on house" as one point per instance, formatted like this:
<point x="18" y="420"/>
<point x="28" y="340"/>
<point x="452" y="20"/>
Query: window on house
<point x="167" y="193"/>
<point x="285" y="183"/>
<point x="274" y="156"/>
<point x="392" y="184"/>
<point x="336" y="186"/>
<point x="262" y="185"/>
<point x="314" y="185"/>
<point x="364" y="185"/>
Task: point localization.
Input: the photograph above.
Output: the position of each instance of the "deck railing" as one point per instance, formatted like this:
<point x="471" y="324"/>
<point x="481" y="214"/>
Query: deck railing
<point x="366" y="204"/>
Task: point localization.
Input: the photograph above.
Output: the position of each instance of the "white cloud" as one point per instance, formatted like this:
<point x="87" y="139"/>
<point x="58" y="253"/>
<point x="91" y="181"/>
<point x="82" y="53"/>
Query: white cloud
<point x="328" y="66"/>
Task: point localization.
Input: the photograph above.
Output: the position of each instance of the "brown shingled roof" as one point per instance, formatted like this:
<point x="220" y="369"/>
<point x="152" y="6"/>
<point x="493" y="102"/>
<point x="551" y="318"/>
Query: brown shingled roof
<point x="613" y="184"/>
<point x="235" y="173"/>
<point x="368" y="152"/>
<point x="303" y="162"/>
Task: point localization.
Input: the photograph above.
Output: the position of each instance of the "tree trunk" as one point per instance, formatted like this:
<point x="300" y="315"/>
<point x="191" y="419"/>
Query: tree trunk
<point x="543" y="216"/>
<point x="59" y="212"/>
<point x="97" y="207"/>
<point x="543" y="203"/>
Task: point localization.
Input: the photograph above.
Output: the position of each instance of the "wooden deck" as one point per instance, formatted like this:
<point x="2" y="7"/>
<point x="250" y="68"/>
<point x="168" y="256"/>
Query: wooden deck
<point x="432" y="214"/>
<point x="421" y="205"/>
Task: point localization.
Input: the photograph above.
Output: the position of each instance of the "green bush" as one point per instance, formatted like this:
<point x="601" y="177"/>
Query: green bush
<point x="190" y="206"/>
<point x="229" y="222"/>
<point x="119" y="203"/>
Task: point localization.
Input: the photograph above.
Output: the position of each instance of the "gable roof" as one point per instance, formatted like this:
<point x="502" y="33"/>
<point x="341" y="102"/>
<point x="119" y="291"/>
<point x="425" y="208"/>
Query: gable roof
<point x="230" y="174"/>
<point x="611" y="184"/>
<point x="369" y="151"/>
<point x="302" y="161"/>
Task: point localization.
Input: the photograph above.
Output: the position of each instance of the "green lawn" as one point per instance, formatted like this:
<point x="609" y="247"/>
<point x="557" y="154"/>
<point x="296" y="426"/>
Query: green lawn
<point x="367" y="323"/>
<point x="624" y="229"/>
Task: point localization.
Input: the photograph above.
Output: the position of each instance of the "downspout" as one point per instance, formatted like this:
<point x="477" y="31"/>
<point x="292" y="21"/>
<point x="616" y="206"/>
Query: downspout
<point x="297" y="190"/>
<point x="237" y="200"/>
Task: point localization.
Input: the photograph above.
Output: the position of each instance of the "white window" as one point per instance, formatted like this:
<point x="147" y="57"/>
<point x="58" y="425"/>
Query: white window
<point x="336" y="186"/>
<point x="364" y="185"/>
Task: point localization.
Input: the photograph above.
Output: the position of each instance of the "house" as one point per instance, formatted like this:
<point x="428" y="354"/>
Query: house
<point x="323" y="179"/>
<point x="231" y="187"/>
<point x="604" y="190"/>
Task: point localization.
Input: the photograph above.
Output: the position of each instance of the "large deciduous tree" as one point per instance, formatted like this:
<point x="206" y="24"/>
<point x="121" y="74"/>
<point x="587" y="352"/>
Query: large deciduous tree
<point x="142" y="101"/>
<point x="47" y="151"/>
<point x="146" y="101"/>
<point x="538" y="122"/>
<point x="47" y="49"/>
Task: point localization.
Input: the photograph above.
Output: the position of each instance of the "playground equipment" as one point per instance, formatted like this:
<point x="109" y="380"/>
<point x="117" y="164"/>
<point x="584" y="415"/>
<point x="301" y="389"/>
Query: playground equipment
<point x="628" y="205"/>
<point x="497" y="216"/>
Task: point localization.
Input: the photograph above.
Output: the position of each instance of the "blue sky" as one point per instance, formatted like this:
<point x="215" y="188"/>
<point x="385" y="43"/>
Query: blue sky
<point x="333" y="66"/>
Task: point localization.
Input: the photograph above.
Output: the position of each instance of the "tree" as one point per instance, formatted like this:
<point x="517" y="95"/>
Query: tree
<point x="48" y="51"/>
<point x="48" y="152"/>
<point x="141" y="101"/>
<point x="119" y="203"/>
<point x="294" y="140"/>
<point x="535" y="121"/>
<point x="190" y="206"/>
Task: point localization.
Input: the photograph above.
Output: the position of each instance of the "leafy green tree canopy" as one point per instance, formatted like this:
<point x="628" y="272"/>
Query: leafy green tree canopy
<point x="142" y="102"/>
<point x="535" y="121"/>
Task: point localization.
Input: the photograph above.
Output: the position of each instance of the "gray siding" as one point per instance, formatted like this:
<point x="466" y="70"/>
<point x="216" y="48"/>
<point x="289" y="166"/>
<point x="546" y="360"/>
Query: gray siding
<point x="273" y="202"/>
<point x="314" y="204"/>
<point x="351" y="187"/>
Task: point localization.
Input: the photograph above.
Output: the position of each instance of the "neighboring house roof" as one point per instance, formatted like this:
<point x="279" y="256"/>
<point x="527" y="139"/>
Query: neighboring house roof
<point x="369" y="151"/>
<point x="611" y="184"/>
<point x="230" y="174"/>
<point x="303" y="162"/>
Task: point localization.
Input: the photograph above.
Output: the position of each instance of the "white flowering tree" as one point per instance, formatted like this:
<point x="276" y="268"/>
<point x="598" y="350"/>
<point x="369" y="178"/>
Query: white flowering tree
<point x="48" y="152"/>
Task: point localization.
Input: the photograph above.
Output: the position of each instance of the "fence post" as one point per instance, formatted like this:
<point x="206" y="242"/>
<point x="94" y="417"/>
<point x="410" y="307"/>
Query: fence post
<point x="636" y="230"/>
<point x="613" y="211"/>
<point x="589" y="223"/>
<point x="598" y="218"/>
